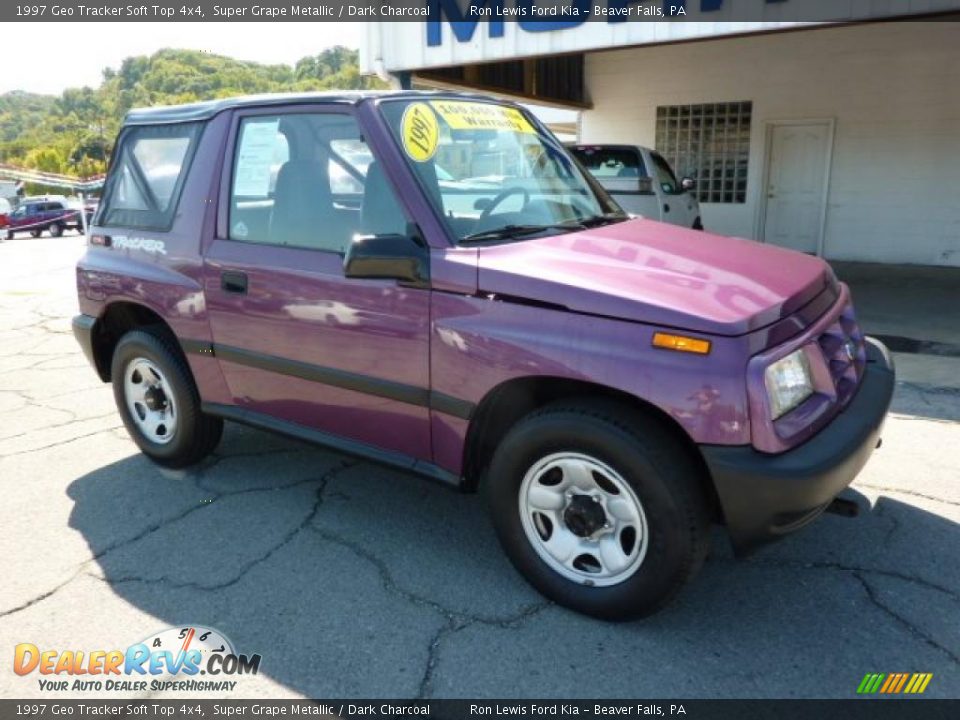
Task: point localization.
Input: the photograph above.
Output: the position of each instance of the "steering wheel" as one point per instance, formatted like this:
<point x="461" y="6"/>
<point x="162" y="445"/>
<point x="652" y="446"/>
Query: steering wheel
<point x="500" y="197"/>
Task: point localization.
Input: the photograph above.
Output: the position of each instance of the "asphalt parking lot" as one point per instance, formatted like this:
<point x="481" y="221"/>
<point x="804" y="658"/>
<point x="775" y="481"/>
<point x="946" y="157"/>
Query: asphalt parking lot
<point x="355" y="581"/>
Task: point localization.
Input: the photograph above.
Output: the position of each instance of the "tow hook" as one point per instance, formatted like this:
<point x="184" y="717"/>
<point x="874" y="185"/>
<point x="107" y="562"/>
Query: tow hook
<point x="846" y="508"/>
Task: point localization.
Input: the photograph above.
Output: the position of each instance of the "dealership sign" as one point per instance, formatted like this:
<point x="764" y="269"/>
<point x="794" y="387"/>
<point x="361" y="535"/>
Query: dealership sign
<point x="458" y="32"/>
<point x="533" y="17"/>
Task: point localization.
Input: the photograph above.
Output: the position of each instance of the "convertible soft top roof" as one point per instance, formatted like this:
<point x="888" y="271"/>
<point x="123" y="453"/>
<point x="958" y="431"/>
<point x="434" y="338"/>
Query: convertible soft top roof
<point x="192" y="112"/>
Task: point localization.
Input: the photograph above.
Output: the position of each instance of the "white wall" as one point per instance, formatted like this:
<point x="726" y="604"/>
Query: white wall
<point x="893" y="90"/>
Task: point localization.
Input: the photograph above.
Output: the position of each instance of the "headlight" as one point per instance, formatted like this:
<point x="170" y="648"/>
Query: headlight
<point x="788" y="383"/>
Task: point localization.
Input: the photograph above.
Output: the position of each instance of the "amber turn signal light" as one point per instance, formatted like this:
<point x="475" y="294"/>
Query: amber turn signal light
<point x="681" y="343"/>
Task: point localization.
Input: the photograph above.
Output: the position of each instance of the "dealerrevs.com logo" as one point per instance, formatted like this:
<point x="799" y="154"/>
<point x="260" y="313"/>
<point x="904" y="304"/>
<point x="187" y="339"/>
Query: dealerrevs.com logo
<point x="177" y="659"/>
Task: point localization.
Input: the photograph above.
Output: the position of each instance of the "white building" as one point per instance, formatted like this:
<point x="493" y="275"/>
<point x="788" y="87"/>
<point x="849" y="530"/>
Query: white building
<point x="836" y="139"/>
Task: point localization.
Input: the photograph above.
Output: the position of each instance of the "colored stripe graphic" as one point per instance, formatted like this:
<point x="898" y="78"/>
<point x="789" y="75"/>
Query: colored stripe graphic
<point x="894" y="683"/>
<point x="870" y="683"/>
<point x="918" y="683"/>
<point x="892" y="679"/>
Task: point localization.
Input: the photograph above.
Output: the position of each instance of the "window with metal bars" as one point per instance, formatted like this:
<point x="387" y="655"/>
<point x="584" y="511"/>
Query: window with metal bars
<point x="710" y="143"/>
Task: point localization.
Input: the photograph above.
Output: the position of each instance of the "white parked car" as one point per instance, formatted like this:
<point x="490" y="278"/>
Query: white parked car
<point x="642" y="182"/>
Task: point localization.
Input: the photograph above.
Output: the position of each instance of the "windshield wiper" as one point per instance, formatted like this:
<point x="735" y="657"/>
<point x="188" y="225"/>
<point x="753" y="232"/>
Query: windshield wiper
<point x="512" y="231"/>
<point x="604" y="219"/>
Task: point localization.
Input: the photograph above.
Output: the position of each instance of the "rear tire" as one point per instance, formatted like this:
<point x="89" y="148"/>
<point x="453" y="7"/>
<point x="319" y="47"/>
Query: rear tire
<point x="630" y="460"/>
<point x="56" y="230"/>
<point x="158" y="399"/>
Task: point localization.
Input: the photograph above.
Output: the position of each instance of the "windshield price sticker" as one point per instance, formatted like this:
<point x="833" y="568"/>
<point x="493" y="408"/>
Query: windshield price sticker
<point x="481" y="116"/>
<point x="421" y="132"/>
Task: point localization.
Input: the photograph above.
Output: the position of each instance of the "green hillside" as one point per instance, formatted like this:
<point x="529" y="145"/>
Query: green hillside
<point x="74" y="133"/>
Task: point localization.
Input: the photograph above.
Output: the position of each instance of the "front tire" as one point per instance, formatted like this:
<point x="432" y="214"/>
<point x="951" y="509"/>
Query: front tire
<point x="599" y="507"/>
<point x="158" y="400"/>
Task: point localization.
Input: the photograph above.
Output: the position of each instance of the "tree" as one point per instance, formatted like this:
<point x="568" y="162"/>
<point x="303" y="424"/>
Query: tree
<point x="75" y="131"/>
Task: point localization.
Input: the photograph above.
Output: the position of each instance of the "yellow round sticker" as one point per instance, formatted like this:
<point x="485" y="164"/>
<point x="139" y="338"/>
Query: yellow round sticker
<point x="421" y="132"/>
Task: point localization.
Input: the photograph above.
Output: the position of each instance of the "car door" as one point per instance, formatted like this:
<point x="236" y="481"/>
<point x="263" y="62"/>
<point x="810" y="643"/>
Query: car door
<point x="678" y="207"/>
<point x="297" y="341"/>
<point x="32" y="217"/>
<point x="48" y="212"/>
<point x="18" y="217"/>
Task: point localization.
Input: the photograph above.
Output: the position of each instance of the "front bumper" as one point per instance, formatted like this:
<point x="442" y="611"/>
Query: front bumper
<point x="764" y="497"/>
<point x="83" y="331"/>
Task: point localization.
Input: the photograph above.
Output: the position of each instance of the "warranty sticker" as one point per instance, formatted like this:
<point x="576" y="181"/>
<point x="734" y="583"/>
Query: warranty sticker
<point x="421" y="132"/>
<point x="461" y="115"/>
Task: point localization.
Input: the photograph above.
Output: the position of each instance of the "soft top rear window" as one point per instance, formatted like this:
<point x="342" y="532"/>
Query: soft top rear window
<point x="147" y="175"/>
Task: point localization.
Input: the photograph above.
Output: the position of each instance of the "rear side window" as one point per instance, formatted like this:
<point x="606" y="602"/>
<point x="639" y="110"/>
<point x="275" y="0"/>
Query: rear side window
<point x="147" y="176"/>
<point x="618" y="169"/>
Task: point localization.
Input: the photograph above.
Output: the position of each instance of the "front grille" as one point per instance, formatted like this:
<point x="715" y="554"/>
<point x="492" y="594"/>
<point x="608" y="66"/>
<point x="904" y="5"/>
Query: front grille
<point x="846" y="355"/>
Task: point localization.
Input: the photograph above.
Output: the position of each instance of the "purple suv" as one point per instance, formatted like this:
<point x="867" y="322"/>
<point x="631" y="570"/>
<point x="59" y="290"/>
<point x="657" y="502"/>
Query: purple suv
<point x="433" y="282"/>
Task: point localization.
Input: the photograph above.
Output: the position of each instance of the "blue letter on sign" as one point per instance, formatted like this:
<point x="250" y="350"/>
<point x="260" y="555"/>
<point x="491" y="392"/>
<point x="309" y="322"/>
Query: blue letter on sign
<point x="579" y="9"/>
<point x="711" y="5"/>
<point x="462" y="27"/>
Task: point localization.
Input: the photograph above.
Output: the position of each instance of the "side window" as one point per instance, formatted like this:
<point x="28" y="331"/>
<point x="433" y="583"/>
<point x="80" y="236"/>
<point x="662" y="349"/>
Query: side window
<point x="147" y="175"/>
<point x="619" y="170"/>
<point x="666" y="178"/>
<point x="308" y="180"/>
<point x="349" y="160"/>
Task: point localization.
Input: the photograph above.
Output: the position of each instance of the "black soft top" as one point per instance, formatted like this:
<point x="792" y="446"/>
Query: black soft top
<point x="192" y="112"/>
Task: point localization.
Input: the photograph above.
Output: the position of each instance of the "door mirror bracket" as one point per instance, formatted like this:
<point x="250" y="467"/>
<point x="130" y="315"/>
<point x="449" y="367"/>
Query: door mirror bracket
<point x="401" y="257"/>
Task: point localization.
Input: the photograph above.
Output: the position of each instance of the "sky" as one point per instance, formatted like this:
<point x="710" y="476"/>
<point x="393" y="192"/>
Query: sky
<point x="80" y="62"/>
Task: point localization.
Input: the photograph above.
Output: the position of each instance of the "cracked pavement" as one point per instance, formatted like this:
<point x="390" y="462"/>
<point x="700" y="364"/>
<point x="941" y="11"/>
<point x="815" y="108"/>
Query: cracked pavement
<point x="352" y="580"/>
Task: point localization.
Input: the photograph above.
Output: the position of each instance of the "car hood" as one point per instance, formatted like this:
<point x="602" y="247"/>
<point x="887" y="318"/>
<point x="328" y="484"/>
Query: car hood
<point x="651" y="272"/>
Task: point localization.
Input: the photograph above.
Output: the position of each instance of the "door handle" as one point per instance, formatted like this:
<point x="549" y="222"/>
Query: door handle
<point x="233" y="281"/>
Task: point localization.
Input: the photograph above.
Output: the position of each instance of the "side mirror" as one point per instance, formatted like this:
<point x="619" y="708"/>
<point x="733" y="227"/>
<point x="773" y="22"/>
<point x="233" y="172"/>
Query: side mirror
<point x="688" y="184"/>
<point x="388" y="257"/>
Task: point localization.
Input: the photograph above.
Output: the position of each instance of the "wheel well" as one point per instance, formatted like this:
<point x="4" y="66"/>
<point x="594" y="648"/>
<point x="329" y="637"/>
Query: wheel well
<point x="511" y="401"/>
<point x="118" y="319"/>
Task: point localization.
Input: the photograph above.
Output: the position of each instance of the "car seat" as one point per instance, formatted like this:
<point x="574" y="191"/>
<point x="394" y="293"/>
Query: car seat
<point x="303" y="214"/>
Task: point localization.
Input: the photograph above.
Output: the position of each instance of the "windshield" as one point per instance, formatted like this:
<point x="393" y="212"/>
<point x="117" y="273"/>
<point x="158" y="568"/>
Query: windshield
<point x="492" y="173"/>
